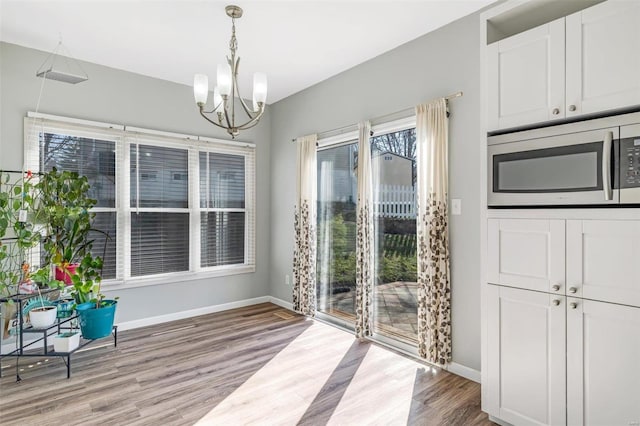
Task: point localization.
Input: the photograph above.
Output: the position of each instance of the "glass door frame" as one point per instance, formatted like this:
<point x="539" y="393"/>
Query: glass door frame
<point x="331" y="142"/>
<point x="402" y="345"/>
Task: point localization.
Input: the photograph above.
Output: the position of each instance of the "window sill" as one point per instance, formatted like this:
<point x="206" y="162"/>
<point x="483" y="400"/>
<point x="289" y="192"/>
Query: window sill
<point x="175" y="277"/>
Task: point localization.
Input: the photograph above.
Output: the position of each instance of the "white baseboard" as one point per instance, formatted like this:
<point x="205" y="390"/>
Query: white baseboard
<point x="282" y="303"/>
<point x="464" y="371"/>
<point x="144" y="322"/>
<point x="159" y="319"/>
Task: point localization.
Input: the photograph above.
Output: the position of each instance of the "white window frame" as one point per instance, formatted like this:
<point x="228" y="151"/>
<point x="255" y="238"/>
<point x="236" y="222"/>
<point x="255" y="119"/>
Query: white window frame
<point x="124" y="136"/>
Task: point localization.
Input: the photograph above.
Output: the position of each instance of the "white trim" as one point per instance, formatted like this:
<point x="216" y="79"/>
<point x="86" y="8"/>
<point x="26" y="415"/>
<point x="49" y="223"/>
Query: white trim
<point x="399" y="345"/>
<point x="338" y="139"/>
<point x="175" y="277"/>
<point x="162" y="133"/>
<point x="394" y="126"/>
<point x="160" y="319"/>
<point x="11" y="346"/>
<point x="335" y="321"/>
<point x="281" y="303"/>
<point x="75" y="121"/>
<point x="226" y="142"/>
<point x="464" y="371"/>
<point x="499" y="421"/>
<point x="482" y="194"/>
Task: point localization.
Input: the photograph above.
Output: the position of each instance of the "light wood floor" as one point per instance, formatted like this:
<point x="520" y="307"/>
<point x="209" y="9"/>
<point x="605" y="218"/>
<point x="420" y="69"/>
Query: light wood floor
<point x="254" y="365"/>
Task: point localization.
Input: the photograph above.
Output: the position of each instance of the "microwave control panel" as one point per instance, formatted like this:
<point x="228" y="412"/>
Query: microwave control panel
<point x="630" y="162"/>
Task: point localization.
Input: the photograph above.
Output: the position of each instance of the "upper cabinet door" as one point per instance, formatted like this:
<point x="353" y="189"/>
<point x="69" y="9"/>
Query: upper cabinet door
<point x="603" y="58"/>
<point x="526" y="77"/>
<point x="602" y="260"/>
<point x="527" y="253"/>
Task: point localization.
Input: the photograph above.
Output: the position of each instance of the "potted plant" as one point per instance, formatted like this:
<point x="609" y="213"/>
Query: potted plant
<point x="96" y="313"/>
<point x="64" y="210"/>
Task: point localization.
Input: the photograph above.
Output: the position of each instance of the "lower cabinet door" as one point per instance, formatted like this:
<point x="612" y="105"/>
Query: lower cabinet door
<point x="603" y="363"/>
<point x="526" y="350"/>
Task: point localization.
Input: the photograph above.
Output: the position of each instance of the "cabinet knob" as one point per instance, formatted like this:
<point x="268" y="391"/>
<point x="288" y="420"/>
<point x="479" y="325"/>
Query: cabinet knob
<point x="573" y="305"/>
<point x="572" y="107"/>
<point x="555" y="302"/>
<point x="555" y="111"/>
<point x="573" y="290"/>
<point x="555" y="287"/>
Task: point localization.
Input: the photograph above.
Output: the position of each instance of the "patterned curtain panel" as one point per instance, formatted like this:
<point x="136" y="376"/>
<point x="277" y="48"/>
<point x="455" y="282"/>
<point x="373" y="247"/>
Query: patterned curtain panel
<point x="364" y="243"/>
<point x="434" y="294"/>
<point x="304" y="257"/>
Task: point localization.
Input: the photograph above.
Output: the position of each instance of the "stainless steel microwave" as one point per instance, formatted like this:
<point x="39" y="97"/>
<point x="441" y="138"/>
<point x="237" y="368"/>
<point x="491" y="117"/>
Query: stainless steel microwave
<point x="589" y="163"/>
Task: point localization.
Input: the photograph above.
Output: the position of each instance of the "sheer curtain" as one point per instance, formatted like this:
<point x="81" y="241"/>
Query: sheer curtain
<point x="304" y="258"/>
<point x="434" y="293"/>
<point x="364" y="242"/>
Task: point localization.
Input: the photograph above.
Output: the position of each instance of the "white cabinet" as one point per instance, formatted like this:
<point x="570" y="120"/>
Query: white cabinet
<point x="526" y="353"/>
<point x="603" y="363"/>
<point x="585" y="63"/>
<point x="602" y="58"/>
<point x="563" y="359"/>
<point x="602" y="260"/>
<point x="527" y="253"/>
<point x="526" y="77"/>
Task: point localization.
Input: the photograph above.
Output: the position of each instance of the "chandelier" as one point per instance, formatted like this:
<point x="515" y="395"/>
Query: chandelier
<point x="226" y="91"/>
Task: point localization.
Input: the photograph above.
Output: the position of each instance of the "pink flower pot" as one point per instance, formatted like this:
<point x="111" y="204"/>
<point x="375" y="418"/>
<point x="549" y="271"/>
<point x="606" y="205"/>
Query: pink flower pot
<point x="65" y="275"/>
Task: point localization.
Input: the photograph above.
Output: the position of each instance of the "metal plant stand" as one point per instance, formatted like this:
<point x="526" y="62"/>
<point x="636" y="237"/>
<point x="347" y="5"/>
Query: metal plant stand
<point x="61" y="324"/>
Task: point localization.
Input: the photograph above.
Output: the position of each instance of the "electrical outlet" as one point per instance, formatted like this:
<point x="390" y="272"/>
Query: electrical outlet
<point x="286" y="280"/>
<point x="456" y="206"/>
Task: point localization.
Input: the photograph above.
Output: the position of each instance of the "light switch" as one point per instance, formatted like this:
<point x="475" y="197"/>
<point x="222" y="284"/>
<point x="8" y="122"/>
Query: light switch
<point x="456" y="206"/>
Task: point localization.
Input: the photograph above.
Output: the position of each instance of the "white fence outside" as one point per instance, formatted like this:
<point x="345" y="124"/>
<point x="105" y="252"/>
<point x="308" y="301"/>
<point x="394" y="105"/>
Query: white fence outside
<point x="395" y="201"/>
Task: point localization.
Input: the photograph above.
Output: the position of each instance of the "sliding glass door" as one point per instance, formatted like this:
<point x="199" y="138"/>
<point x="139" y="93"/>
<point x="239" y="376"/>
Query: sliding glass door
<point x="336" y="254"/>
<point x="393" y="163"/>
<point x="394" y="197"/>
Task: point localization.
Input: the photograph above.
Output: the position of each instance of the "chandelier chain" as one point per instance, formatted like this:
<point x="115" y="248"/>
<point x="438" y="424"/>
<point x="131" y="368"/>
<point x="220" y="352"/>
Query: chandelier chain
<point x="233" y="44"/>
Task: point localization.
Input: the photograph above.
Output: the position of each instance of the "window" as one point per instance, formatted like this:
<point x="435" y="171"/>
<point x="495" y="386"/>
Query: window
<point x="169" y="204"/>
<point x="160" y="210"/>
<point x="222" y="209"/>
<point x="95" y="159"/>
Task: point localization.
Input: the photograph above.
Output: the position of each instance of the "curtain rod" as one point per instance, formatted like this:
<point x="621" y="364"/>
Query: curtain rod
<point x="343" y="129"/>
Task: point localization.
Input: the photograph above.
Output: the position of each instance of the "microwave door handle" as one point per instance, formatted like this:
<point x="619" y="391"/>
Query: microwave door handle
<point x="606" y="166"/>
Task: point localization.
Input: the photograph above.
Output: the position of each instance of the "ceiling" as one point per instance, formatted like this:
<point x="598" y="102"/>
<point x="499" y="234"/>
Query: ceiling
<point x="296" y="43"/>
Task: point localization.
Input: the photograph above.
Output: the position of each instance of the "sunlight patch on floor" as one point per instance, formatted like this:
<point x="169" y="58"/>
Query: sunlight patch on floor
<point x="282" y="390"/>
<point x="380" y="392"/>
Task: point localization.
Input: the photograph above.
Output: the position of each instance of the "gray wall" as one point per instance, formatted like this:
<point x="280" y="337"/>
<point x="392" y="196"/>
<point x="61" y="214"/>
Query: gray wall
<point x="121" y="97"/>
<point x="437" y="64"/>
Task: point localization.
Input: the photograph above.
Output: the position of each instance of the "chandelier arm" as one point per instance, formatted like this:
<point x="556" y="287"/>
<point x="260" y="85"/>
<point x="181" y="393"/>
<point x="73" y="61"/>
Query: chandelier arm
<point x="226" y="114"/>
<point x="202" y="113"/>
<point x="246" y="109"/>
<point x="254" y="121"/>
